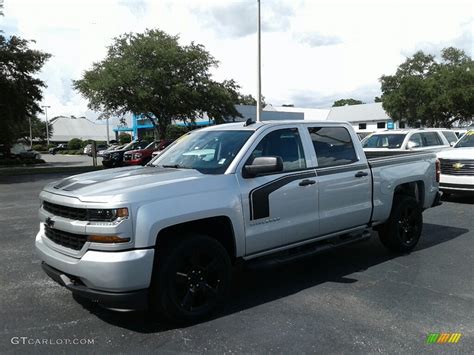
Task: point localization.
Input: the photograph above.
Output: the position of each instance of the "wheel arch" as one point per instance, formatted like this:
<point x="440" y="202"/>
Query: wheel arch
<point x="219" y="228"/>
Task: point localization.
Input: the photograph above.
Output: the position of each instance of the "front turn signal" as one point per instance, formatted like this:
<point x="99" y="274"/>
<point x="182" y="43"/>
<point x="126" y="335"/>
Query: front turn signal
<point x="107" y="239"/>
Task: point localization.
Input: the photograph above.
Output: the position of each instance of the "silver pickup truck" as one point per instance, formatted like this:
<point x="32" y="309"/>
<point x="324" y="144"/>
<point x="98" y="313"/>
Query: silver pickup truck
<point x="167" y="235"/>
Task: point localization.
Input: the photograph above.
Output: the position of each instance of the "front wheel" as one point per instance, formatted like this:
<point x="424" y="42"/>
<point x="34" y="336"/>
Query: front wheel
<point x="190" y="278"/>
<point x="402" y="231"/>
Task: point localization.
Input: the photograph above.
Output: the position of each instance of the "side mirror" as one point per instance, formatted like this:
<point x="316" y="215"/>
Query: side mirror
<point x="263" y="165"/>
<point x="412" y="145"/>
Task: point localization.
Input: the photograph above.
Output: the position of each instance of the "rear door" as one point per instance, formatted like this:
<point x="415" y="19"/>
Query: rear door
<point x="282" y="208"/>
<point x="345" y="195"/>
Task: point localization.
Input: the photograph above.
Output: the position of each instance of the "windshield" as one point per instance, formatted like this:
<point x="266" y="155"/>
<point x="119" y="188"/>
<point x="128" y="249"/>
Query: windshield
<point x="466" y="141"/>
<point x="390" y="141"/>
<point x="151" y="145"/>
<point x="210" y="152"/>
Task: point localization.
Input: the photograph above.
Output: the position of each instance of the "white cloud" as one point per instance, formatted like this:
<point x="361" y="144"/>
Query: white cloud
<point x="312" y="51"/>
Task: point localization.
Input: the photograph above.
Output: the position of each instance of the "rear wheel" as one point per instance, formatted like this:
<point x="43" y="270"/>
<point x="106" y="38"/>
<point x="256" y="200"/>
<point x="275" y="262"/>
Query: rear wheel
<point x="190" y="279"/>
<point x="402" y="231"/>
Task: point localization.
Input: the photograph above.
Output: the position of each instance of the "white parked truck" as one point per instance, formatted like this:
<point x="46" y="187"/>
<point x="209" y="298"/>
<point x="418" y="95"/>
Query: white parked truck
<point x="167" y="235"/>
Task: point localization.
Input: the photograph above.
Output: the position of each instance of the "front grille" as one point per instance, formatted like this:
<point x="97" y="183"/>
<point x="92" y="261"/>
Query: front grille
<point x="457" y="167"/>
<point x="77" y="214"/>
<point x="80" y="214"/>
<point x="66" y="239"/>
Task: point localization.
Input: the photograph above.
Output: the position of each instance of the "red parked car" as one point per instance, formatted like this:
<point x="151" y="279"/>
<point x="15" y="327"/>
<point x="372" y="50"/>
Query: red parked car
<point x="143" y="156"/>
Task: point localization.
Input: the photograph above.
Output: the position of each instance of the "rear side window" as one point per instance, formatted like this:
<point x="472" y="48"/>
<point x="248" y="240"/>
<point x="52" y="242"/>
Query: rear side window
<point x="333" y="146"/>
<point x="450" y="136"/>
<point x="284" y="143"/>
<point x="431" y="139"/>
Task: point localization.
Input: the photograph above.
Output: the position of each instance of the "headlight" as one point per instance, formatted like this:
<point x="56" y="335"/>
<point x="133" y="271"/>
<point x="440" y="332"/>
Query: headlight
<point x="137" y="156"/>
<point x="107" y="215"/>
<point x="115" y="155"/>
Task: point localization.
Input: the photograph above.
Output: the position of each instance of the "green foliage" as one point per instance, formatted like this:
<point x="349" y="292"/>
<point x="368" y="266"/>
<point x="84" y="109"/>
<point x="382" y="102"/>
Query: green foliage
<point x="431" y="93"/>
<point x="344" y="102"/>
<point x="20" y="88"/>
<point x="152" y="73"/>
<point x="377" y="99"/>
<point x="86" y="142"/>
<point x="74" y="144"/>
<point x="125" y="138"/>
<point x="174" y="132"/>
<point x="39" y="147"/>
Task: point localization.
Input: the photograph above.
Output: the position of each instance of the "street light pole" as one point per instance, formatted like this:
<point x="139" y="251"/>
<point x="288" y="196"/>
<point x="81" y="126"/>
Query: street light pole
<point x="259" y="74"/>
<point x="47" y="123"/>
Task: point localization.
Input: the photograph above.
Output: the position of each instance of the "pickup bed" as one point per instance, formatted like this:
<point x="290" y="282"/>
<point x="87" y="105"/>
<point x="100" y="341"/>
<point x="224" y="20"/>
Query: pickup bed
<point x="166" y="235"/>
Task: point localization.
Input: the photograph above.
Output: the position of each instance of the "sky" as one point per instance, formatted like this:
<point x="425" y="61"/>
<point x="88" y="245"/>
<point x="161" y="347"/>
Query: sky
<point x="313" y="52"/>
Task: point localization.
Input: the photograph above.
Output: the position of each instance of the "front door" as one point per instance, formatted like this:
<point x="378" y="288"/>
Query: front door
<point x="280" y="209"/>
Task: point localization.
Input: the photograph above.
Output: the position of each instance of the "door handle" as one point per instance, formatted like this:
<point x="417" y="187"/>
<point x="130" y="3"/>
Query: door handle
<point x="307" y="182"/>
<point x="361" y="174"/>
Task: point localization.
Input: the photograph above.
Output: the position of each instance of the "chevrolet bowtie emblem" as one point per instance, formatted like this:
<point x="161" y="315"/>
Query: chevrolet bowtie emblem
<point x="458" y="166"/>
<point x="49" y="222"/>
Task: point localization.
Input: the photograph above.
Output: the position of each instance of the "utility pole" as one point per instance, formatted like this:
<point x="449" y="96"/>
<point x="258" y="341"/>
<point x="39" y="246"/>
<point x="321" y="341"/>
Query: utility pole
<point x="259" y="63"/>
<point x="108" y="138"/>
<point x="31" y="133"/>
<point x="47" y="123"/>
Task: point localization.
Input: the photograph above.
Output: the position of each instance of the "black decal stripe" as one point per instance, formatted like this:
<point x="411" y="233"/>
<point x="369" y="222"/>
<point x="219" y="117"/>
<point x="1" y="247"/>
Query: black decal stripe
<point x="259" y="197"/>
<point x="342" y="169"/>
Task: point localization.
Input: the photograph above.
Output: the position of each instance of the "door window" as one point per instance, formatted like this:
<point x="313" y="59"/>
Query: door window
<point x="284" y="143"/>
<point x="333" y="146"/>
<point x="416" y="139"/>
<point x="450" y="136"/>
<point x="431" y="139"/>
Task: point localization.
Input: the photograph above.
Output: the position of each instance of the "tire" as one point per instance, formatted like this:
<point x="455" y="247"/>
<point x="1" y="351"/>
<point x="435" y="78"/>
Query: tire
<point x="402" y="231"/>
<point x="190" y="278"/>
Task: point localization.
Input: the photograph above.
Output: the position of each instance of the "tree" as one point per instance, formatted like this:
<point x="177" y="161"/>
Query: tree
<point x="431" y="93"/>
<point x="21" y="91"/>
<point x="344" y="102"/>
<point x="124" y="138"/>
<point x="377" y="99"/>
<point x="152" y="74"/>
<point x="38" y="130"/>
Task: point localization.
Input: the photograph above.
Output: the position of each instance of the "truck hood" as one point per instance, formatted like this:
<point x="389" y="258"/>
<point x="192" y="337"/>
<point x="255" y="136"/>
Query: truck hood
<point x="129" y="184"/>
<point x="466" y="153"/>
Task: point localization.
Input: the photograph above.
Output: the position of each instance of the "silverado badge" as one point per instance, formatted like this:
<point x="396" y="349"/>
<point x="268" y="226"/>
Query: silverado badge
<point x="458" y="166"/>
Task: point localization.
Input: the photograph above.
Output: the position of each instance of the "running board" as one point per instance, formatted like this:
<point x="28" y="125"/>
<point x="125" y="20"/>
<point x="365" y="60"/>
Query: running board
<point x="290" y="255"/>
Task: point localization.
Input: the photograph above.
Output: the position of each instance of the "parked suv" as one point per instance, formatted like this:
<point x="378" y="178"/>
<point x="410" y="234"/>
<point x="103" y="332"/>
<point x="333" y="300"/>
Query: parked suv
<point x="114" y="158"/>
<point x="143" y="156"/>
<point x="395" y="142"/>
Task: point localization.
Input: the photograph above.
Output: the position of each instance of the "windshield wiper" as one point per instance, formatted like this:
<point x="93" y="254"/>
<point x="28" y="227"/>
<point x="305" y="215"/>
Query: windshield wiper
<point x="174" y="166"/>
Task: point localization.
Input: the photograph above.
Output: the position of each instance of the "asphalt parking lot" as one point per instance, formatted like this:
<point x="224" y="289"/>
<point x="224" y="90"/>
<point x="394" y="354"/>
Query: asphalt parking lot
<point x="358" y="299"/>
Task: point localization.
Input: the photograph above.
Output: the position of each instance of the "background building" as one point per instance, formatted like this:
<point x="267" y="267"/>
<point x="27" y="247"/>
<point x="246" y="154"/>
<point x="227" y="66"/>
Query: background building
<point x="364" y="117"/>
<point x="67" y="128"/>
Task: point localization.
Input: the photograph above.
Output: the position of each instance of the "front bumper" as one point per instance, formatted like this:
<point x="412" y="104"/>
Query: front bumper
<point x="133" y="300"/>
<point x="107" y="271"/>
<point x="112" y="163"/>
<point x="456" y="183"/>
